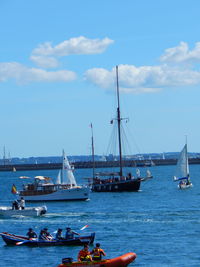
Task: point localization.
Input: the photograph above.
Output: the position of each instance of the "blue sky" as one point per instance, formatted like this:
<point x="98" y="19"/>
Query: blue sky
<point x="57" y="74"/>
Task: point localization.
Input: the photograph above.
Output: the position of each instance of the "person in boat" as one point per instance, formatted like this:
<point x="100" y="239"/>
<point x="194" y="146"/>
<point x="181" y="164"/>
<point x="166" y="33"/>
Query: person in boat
<point x="22" y="203"/>
<point x="31" y="234"/>
<point x="15" y="205"/>
<point x="45" y="235"/>
<point x="59" y="234"/>
<point x="97" y="253"/>
<point x="42" y="235"/>
<point x="84" y="254"/>
<point x="70" y="234"/>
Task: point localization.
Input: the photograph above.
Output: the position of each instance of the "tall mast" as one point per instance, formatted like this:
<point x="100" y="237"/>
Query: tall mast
<point x="186" y="165"/>
<point x="93" y="163"/>
<point x="119" y="125"/>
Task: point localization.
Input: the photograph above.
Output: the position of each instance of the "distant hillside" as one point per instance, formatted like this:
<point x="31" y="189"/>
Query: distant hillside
<point x="85" y="158"/>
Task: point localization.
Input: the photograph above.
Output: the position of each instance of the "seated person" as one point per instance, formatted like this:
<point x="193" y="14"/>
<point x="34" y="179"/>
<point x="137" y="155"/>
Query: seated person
<point x="47" y="234"/>
<point x="31" y="234"/>
<point x="42" y="235"/>
<point x="59" y="234"/>
<point x="97" y="253"/>
<point x="15" y="205"/>
<point x="84" y="254"/>
<point x="70" y="234"/>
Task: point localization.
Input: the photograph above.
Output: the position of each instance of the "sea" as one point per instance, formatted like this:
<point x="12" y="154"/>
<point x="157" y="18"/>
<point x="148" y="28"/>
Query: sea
<point x="160" y="223"/>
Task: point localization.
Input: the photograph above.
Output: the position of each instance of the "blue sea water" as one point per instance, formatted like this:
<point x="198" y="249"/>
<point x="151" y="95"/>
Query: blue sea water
<point x="161" y="223"/>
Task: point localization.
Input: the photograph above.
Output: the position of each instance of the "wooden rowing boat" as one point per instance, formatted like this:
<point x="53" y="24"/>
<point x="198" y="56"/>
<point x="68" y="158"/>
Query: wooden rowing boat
<point x="17" y="240"/>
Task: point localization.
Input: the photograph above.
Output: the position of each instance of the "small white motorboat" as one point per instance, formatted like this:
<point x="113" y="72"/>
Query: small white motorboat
<point x="28" y="211"/>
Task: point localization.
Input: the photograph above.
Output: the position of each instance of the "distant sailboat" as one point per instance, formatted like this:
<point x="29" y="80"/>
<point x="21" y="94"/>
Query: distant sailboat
<point x="182" y="170"/>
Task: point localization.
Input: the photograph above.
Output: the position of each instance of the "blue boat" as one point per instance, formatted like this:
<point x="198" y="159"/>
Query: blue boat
<point x="17" y="240"/>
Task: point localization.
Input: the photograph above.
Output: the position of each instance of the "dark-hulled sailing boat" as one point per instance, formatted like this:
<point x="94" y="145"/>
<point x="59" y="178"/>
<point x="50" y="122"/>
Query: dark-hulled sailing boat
<point x="116" y="181"/>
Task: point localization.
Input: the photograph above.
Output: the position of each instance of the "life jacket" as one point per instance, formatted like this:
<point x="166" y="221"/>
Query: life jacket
<point x="97" y="253"/>
<point x="84" y="255"/>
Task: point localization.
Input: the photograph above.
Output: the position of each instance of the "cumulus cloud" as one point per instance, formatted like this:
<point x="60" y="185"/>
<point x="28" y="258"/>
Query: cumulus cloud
<point x="45" y="55"/>
<point x="182" y="54"/>
<point x="45" y="62"/>
<point x="74" y="46"/>
<point x="23" y="74"/>
<point x="144" y="79"/>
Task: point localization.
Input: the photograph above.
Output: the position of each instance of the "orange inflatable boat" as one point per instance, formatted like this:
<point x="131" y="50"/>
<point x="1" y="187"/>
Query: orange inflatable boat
<point x="121" y="261"/>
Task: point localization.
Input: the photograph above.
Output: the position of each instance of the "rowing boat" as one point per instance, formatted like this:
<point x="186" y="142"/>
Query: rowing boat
<point x="17" y="240"/>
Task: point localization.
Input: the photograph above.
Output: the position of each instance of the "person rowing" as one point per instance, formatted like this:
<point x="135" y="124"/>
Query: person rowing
<point x="31" y="234"/>
<point x="70" y="234"/>
<point x="59" y="234"/>
<point x="45" y="235"/>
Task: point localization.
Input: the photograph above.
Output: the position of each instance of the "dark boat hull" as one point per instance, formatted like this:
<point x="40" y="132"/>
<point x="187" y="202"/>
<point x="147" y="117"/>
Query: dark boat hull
<point x="120" y="186"/>
<point x="15" y="240"/>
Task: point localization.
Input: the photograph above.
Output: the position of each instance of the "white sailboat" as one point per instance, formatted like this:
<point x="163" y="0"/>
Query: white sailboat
<point x="65" y="188"/>
<point x="182" y="170"/>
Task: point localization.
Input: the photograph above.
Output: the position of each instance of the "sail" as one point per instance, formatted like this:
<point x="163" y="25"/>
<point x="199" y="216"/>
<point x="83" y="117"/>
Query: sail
<point x="138" y="172"/>
<point x="58" y="180"/>
<point x="182" y="169"/>
<point x="67" y="172"/>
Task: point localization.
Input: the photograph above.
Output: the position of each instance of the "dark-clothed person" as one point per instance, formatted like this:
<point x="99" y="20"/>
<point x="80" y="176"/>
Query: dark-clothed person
<point x="69" y="233"/>
<point x="59" y="234"/>
<point x="31" y="234"/>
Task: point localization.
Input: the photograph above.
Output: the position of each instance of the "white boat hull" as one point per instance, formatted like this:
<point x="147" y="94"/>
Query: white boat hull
<point x="185" y="186"/>
<point x="76" y="193"/>
<point x="30" y="211"/>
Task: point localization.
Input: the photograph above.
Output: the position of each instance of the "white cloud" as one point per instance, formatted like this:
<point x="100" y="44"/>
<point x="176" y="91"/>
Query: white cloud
<point x="45" y="62"/>
<point x="45" y="55"/>
<point x="182" y="54"/>
<point x="144" y="79"/>
<point x="23" y="74"/>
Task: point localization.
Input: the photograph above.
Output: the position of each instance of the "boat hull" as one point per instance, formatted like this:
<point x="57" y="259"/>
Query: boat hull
<point x="15" y="240"/>
<point x="184" y="186"/>
<point x="121" y="186"/>
<point x="77" y="193"/>
<point x="121" y="261"/>
<point x="30" y="211"/>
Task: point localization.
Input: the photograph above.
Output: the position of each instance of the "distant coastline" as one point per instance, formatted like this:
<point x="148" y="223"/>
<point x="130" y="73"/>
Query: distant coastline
<point x="98" y="164"/>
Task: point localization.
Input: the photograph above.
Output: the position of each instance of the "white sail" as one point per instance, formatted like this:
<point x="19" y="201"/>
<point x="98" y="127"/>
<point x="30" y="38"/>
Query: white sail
<point x="58" y="180"/>
<point x="148" y="173"/>
<point x="138" y="172"/>
<point x="67" y="172"/>
<point x="182" y="169"/>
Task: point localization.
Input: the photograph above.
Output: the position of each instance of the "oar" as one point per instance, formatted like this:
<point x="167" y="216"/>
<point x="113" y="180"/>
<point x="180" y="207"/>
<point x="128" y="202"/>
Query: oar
<point x="22" y="242"/>
<point x="84" y="227"/>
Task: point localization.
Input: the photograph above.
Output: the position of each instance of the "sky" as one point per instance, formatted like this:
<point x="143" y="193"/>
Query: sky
<point x="58" y="75"/>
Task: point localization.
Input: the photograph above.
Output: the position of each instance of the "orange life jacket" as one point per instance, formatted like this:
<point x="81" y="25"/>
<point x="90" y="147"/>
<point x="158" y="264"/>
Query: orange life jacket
<point x="97" y="252"/>
<point x="83" y="254"/>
